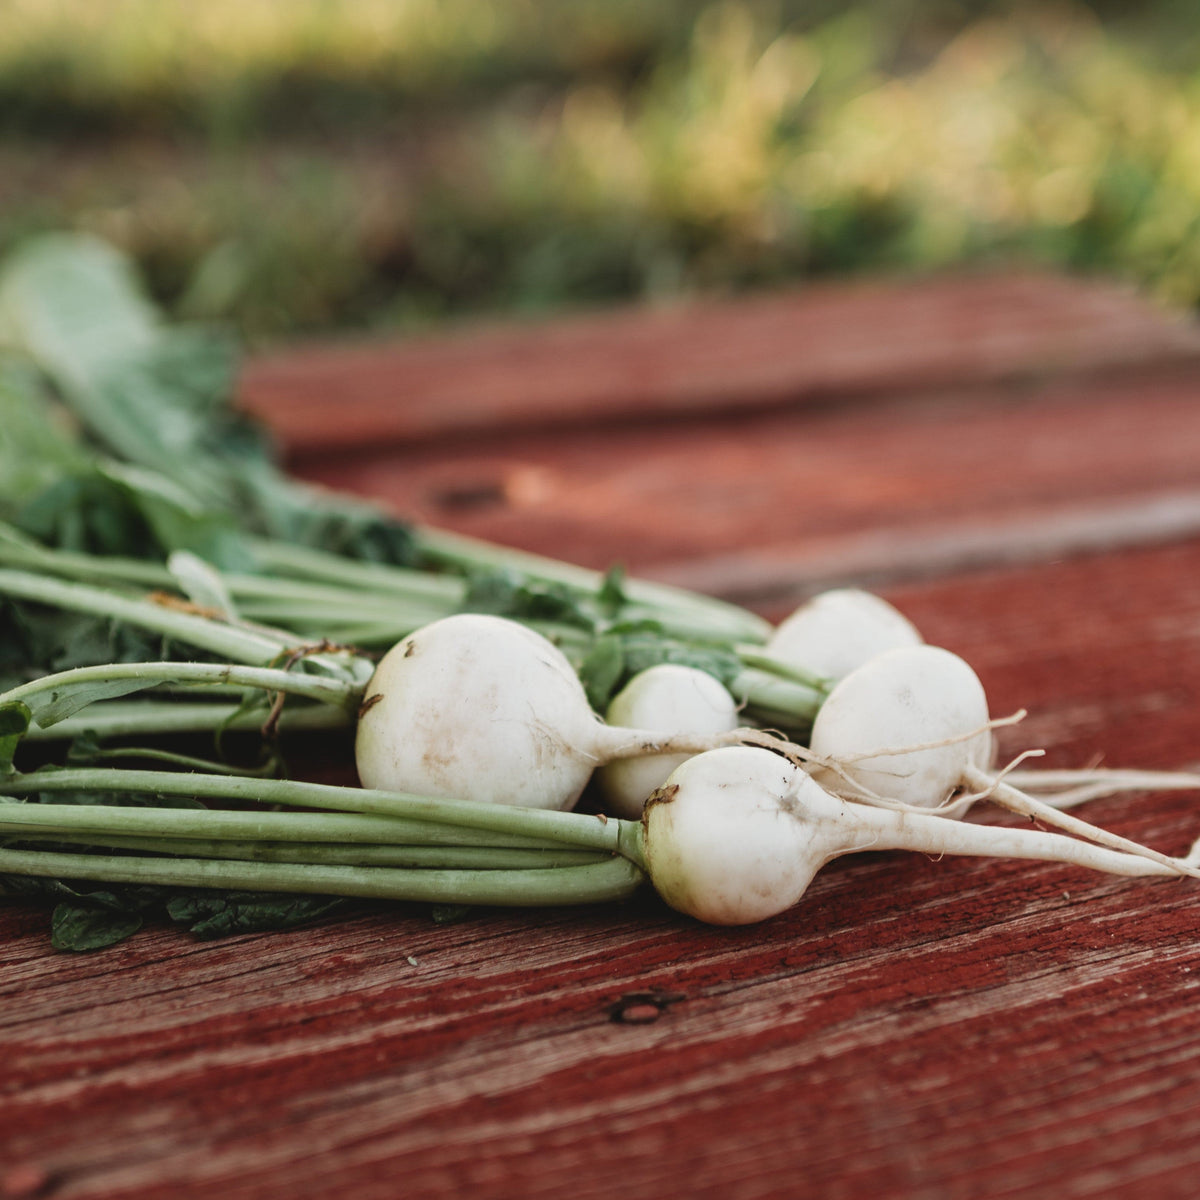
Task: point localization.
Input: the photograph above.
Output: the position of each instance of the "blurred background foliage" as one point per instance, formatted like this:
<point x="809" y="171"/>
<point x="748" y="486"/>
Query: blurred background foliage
<point x="303" y="166"/>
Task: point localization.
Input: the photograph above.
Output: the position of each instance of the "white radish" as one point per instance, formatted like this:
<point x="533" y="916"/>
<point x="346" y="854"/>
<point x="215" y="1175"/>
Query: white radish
<point x="737" y="834"/>
<point x="839" y="630"/>
<point x="903" y="698"/>
<point x="668" y="698"/>
<point x="909" y="727"/>
<point x="482" y="708"/>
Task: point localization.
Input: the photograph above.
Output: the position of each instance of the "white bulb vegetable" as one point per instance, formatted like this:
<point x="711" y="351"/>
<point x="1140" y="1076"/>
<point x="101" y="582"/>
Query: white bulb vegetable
<point x="667" y="698"/>
<point x="838" y="630"/>
<point x="910" y="726"/>
<point x="906" y="697"/>
<point x="737" y="834"/>
<point x="483" y="708"/>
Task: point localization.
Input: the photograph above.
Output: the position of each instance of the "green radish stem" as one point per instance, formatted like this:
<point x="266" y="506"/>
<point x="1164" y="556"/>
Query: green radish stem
<point x="307" y="585"/>
<point x="564" y="828"/>
<point x="282" y="558"/>
<point x="419" y="596"/>
<point x="167" y="824"/>
<point x="186" y="762"/>
<point x="454" y="857"/>
<point x="18" y="551"/>
<point x="679" y="612"/>
<point x="336" y="605"/>
<point x="125" y="718"/>
<point x="251" y="646"/>
<point x="53" y="697"/>
<point x="758" y="659"/>
<point x="613" y="879"/>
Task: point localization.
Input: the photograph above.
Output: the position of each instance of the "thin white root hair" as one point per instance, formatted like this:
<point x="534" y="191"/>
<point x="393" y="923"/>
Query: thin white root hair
<point x="1074" y="786"/>
<point x="1071" y="797"/>
<point x="994" y="787"/>
<point x="1011" y="798"/>
<point x="1112" y="780"/>
<point x="953" y="807"/>
<point x="855" y="790"/>
<point x="1004" y="774"/>
<point x="999" y="791"/>
<point x="896" y="751"/>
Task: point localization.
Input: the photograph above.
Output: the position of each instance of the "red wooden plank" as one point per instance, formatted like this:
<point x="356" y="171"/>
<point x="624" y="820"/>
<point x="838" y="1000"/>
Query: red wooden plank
<point x="834" y="339"/>
<point x="949" y="1029"/>
<point x="773" y="503"/>
<point x="913" y="1028"/>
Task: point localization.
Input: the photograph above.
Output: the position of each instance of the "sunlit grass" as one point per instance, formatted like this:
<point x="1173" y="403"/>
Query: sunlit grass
<point x="226" y="66"/>
<point x="306" y="166"/>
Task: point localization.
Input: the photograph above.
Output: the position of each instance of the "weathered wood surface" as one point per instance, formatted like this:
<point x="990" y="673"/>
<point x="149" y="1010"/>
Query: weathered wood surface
<point x="914" y="1028"/>
<point x="904" y="432"/>
<point x="863" y="338"/>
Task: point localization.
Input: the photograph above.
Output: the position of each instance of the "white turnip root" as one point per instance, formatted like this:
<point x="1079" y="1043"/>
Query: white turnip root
<point x="482" y="708"/>
<point x="667" y="698"/>
<point x="736" y="835"/>
<point x="910" y="727"/>
<point x="1067" y="787"/>
<point x="839" y="630"/>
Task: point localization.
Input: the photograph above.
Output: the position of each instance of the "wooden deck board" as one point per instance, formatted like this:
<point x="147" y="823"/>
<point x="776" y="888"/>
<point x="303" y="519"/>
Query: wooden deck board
<point x="941" y="1030"/>
<point x="851" y="339"/>
<point x="734" y="503"/>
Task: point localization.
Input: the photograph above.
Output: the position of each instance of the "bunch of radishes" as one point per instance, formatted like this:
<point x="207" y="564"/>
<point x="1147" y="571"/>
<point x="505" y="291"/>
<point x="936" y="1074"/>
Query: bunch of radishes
<point x="475" y="734"/>
<point x="736" y="821"/>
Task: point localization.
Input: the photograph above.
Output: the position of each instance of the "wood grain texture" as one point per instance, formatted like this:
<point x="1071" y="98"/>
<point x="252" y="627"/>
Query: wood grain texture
<point x="953" y="1028"/>
<point x="942" y="1030"/>
<point x="829" y="340"/>
<point x="770" y="503"/>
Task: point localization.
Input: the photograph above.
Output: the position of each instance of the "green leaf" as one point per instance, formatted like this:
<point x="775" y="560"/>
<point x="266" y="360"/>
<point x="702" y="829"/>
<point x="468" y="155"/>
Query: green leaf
<point x="50" y="707"/>
<point x="611" y="596"/>
<point x="506" y="593"/>
<point x="320" y="519"/>
<point x="37" y="448"/>
<point x="210" y="915"/>
<point x="624" y="651"/>
<point x="37" y="640"/>
<point x="14" y="724"/>
<point x="82" y="926"/>
<point x="642" y="652"/>
<point x="159" y="399"/>
<point x="86" y="512"/>
<point x="602" y="670"/>
<point x="87" y="920"/>
<point x="176" y="520"/>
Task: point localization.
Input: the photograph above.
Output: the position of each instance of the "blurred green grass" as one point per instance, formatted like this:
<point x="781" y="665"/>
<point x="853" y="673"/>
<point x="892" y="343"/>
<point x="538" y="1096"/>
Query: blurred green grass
<point x="308" y="166"/>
